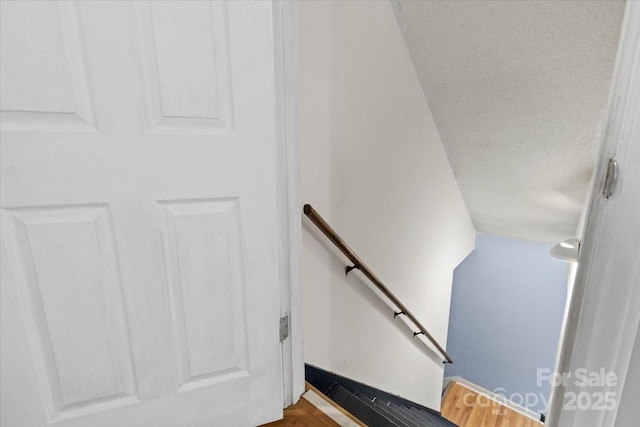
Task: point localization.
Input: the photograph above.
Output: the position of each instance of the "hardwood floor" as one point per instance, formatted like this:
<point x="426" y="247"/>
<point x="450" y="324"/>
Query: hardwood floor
<point x="306" y="412"/>
<point x="466" y="408"/>
<point x="303" y="413"/>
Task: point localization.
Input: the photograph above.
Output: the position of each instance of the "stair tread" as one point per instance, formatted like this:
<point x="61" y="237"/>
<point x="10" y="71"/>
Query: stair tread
<point x="411" y="422"/>
<point x="396" y="411"/>
<point x="432" y="419"/>
<point x="358" y="407"/>
<point x="404" y="410"/>
<point x="420" y="414"/>
<point x="385" y="411"/>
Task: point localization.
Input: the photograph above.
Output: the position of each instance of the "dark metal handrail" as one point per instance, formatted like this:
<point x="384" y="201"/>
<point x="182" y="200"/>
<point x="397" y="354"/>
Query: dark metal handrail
<point x="360" y="265"/>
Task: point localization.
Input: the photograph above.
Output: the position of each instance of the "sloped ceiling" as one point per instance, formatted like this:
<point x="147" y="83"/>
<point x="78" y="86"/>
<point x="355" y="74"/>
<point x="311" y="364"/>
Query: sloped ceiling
<point x="518" y="90"/>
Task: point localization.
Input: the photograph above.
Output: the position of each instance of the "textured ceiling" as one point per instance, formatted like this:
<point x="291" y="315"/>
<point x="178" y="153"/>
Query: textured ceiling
<point x="518" y="91"/>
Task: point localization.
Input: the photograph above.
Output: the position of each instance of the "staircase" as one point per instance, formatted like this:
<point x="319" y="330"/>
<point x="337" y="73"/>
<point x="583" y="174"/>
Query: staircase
<point x="373" y="407"/>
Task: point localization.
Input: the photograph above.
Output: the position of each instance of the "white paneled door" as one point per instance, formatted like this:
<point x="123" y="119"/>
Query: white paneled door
<point x="139" y="241"/>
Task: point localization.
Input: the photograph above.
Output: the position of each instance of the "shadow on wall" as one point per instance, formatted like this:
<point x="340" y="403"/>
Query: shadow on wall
<point x="507" y="304"/>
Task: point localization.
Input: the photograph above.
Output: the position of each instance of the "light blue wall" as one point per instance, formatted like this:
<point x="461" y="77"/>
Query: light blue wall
<point x="506" y="311"/>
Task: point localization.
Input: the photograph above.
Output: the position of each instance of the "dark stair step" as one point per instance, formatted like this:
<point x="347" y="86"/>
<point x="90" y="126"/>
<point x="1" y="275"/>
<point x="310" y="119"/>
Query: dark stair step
<point x="407" y="413"/>
<point x="383" y="410"/>
<point x="432" y="419"/>
<point x="411" y="422"/>
<point x="414" y="413"/>
<point x="420" y="414"/>
<point x="358" y="407"/>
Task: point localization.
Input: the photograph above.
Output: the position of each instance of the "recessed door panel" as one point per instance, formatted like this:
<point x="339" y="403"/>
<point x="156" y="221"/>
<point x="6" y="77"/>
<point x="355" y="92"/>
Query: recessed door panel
<point x="73" y="306"/>
<point x="183" y="50"/>
<point x="203" y="256"/>
<point x="43" y="72"/>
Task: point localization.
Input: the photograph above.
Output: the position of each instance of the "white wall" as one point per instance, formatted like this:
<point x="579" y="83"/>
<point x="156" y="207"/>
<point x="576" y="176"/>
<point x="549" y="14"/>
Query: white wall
<point x="373" y="164"/>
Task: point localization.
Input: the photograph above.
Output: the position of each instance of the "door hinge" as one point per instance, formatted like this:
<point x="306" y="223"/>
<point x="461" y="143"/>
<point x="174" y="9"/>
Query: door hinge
<point x="284" y="328"/>
<point x="610" y="178"/>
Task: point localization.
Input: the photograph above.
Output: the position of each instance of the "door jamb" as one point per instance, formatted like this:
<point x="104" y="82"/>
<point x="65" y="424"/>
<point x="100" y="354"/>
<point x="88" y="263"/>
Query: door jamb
<point x="289" y="216"/>
<point x="601" y="326"/>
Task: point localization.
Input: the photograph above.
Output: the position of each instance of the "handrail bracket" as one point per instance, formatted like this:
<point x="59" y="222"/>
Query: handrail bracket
<point x="348" y="268"/>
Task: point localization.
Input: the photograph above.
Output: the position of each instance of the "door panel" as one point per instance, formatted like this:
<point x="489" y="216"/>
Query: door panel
<point x="202" y="247"/>
<point x="44" y="78"/>
<point x="185" y="66"/>
<point x="82" y="350"/>
<point x="139" y="239"/>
